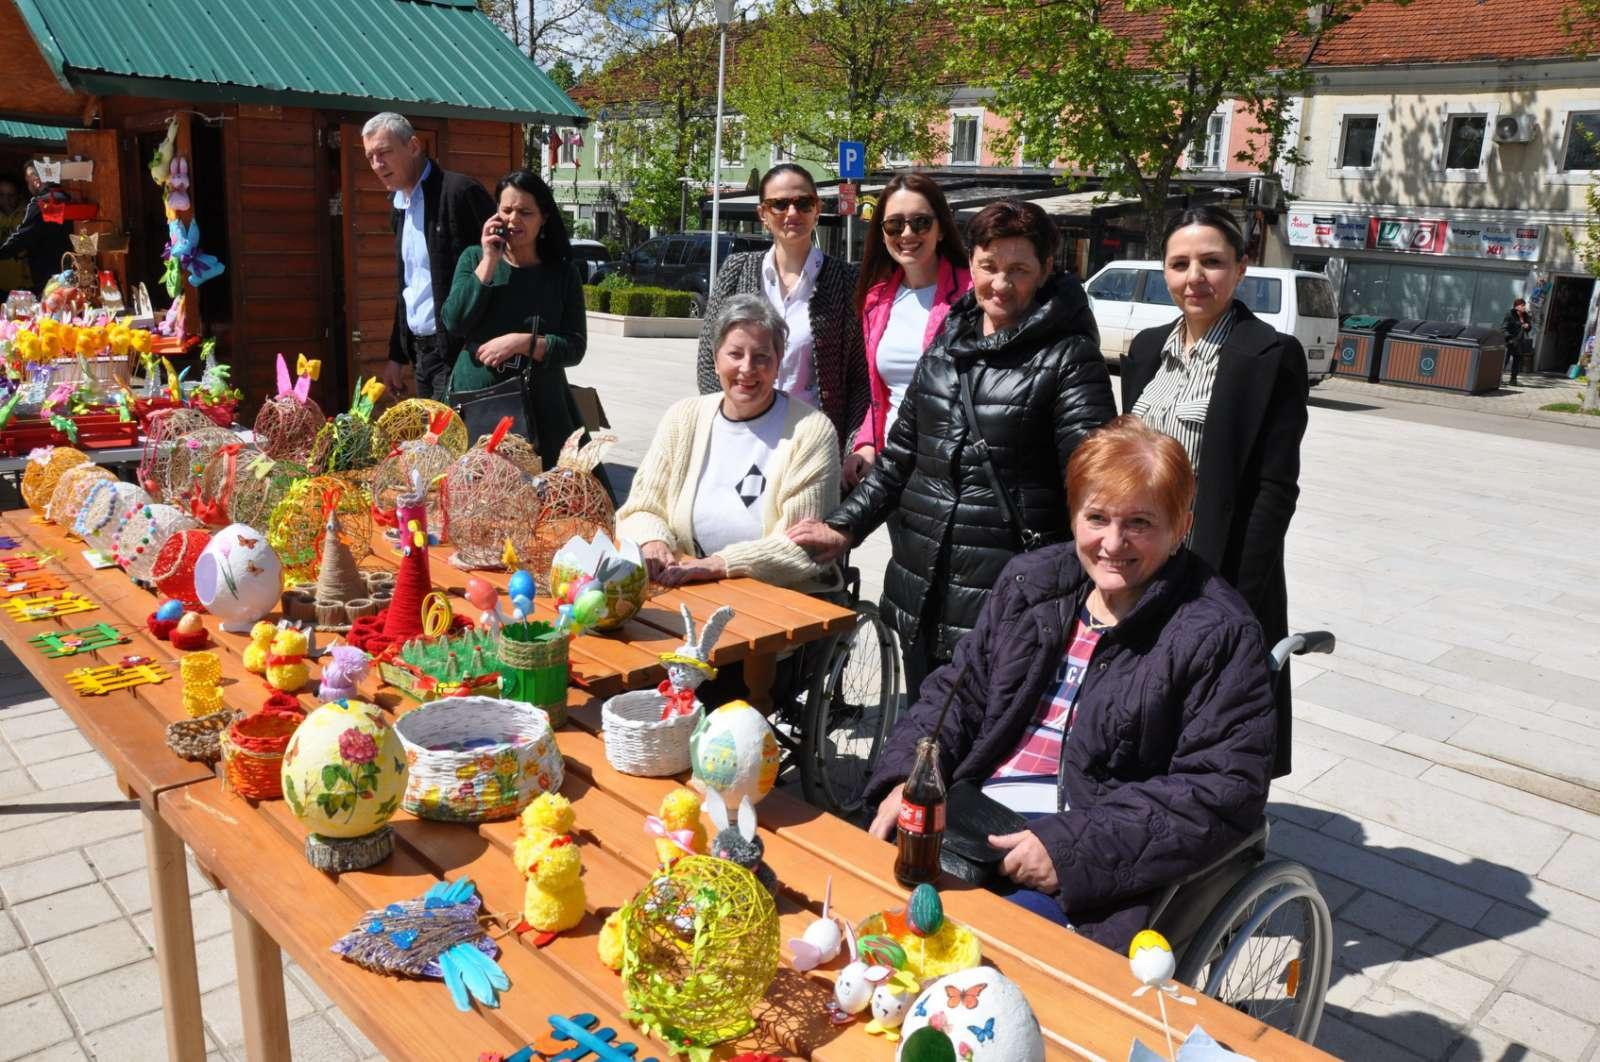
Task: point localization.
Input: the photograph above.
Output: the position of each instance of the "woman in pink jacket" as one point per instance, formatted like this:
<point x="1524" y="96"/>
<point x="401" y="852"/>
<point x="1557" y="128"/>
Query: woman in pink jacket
<point x="912" y="269"/>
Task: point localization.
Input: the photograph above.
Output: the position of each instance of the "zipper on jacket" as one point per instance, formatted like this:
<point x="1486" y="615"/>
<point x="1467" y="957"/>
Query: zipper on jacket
<point x="1072" y="713"/>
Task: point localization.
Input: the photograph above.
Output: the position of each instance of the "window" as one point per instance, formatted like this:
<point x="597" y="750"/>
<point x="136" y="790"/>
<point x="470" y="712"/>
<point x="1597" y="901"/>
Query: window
<point x="571" y="143"/>
<point x="1315" y="296"/>
<point x="1209" y="152"/>
<point x="1464" y="137"/>
<point x="965" y="130"/>
<point x="1583" y="142"/>
<point x="1114" y="285"/>
<point x="1358" y="141"/>
<point x="1261" y="294"/>
<point x="1155" y="291"/>
<point x="1428" y="293"/>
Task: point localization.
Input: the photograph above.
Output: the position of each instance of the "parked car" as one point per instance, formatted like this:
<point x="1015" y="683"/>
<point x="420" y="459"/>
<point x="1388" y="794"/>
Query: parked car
<point x="592" y="259"/>
<point x="1129" y="297"/>
<point x="682" y="261"/>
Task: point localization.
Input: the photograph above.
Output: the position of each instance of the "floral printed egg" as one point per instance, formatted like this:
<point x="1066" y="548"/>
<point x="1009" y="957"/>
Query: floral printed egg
<point x="733" y="751"/>
<point x="344" y="770"/>
<point x="982" y="1011"/>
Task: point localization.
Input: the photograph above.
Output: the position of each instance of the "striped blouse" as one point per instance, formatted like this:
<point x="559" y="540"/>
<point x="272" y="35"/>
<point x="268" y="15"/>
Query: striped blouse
<point x="1177" y="397"/>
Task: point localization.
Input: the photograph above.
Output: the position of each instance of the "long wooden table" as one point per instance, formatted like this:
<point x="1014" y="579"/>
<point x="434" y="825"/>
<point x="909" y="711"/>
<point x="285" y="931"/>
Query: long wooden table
<point x="1081" y="992"/>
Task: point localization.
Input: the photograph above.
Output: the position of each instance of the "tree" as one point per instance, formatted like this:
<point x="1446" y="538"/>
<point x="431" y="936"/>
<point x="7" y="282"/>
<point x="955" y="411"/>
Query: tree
<point x="1121" y="88"/>
<point x="562" y="74"/>
<point x="815" y="72"/>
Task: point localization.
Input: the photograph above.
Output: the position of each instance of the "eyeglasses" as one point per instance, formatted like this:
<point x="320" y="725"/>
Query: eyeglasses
<point x="803" y="203"/>
<point x="917" y="223"/>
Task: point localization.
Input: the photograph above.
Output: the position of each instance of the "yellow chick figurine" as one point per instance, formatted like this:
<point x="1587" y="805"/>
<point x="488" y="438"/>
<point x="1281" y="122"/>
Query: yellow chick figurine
<point x="678" y="828"/>
<point x="548" y="818"/>
<point x="286" y="661"/>
<point x="611" y="941"/>
<point x="255" y="654"/>
<point x="554" y="899"/>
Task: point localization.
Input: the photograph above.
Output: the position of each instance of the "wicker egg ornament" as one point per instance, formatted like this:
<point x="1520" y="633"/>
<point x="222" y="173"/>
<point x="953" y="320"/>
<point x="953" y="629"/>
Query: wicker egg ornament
<point x="70" y="491"/>
<point x="572" y="503"/>
<point x="701" y="951"/>
<point x="105" y="506"/>
<point x="287" y="426"/>
<point x="295" y="528"/>
<point x="488" y="501"/>
<point x="413" y="419"/>
<point x="43" y="470"/>
<point x="516" y="449"/>
<point x="144" y="531"/>
<point x="173" y="570"/>
<point x="161" y="434"/>
<point x="347" y="443"/>
<point x="178" y="467"/>
<point x="261" y="485"/>
<point x="212" y="493"/>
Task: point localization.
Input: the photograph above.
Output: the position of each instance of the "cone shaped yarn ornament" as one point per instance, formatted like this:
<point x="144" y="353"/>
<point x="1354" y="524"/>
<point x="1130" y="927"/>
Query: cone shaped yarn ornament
<point x="338" y="579"/>
<point x="403" y="620"/>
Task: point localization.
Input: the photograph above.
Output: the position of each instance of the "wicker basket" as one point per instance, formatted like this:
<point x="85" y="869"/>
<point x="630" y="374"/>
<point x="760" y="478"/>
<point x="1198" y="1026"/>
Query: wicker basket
<point x="536" y="672"/>
<point x="477" y="759"/>
<point x="252" y="753"/>
<point x="639" y="741"/>
<point x="200" y="739"/>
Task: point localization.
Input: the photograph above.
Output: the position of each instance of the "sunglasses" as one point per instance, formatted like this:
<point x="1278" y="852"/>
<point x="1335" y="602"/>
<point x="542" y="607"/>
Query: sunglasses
<point x="917" y="223"/>
<point x="803" y="203"/>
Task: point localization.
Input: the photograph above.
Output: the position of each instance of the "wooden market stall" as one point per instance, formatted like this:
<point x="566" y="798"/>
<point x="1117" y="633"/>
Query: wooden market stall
<point x="269" y="99"/>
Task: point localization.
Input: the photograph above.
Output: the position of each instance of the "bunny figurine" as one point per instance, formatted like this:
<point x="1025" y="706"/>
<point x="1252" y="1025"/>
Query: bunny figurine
<point x="346" y="670"/>
<point x="854" y="987"/>
<point x="690" y="665"/>
<point x="739" y="843"/>
<point x="822" y="939"/>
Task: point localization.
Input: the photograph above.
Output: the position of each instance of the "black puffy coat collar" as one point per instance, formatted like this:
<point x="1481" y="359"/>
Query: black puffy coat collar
<point x="1060" y="309"/>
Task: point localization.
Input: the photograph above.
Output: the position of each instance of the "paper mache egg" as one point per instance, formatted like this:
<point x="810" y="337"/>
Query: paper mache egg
<point x="734" y="751"/>
<point x="238" y="578"/>
<point x="344" y="770"/>
<point x="982" y="1011"/>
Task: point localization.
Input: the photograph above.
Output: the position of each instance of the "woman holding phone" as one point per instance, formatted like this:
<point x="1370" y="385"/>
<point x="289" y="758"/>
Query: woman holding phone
<point x="517" y="300"/>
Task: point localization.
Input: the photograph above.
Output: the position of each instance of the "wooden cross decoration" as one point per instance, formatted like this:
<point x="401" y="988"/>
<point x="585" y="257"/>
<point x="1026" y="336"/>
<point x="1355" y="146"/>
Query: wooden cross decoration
<point x="95" y="681"/>
<point x="56" y="644"/>
<point x="27" y="609"/>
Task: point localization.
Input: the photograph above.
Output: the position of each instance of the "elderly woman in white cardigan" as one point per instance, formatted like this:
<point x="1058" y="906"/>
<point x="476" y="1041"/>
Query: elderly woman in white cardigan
<point x="727" y="474"/>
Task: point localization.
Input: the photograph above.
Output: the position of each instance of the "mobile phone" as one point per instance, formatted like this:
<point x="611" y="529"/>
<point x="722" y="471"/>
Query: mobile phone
<point x="501" y="231"/>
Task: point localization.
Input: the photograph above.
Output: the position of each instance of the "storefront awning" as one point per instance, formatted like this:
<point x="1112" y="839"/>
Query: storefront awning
<point x="32" y="134"/>
<point x="442" y="58"/>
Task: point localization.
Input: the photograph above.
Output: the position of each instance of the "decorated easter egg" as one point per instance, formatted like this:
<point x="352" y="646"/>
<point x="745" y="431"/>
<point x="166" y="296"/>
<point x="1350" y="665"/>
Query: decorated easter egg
<point x="925" y="911"/>
<point x="733" y="751"/>
<point x="984" y="1014"/>
<point x="238" y="578"/>
<point x="520" y="584"/>
<point x="482" y="594"/>
<point x="190" y="623"/>
<point x="344" y="770"/>
<point x="169" y="611"/>
<point x="1150" y="958"/>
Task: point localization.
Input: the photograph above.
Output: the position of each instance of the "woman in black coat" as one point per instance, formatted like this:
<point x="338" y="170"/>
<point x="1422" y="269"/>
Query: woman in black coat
<point x="1026" y="342"/>
<point x="1233" y="391"/>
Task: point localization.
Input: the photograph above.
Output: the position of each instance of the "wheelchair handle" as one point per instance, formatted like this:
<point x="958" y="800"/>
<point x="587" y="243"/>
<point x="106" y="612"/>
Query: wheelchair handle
<point x="1300" y="644"/>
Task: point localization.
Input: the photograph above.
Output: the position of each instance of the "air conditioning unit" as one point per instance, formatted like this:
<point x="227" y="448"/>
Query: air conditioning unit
<point x="1264" y="193"/>
<point x="1514" y="128"/>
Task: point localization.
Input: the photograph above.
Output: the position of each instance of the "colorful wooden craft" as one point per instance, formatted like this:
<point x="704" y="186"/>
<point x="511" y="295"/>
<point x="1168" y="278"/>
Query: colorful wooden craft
<point x="109" y="678"/>
<point x="28" y="583"/>
<point x="575" y="1039"/>
<point x="56" y="644"/>
<point x="31" y="609"/>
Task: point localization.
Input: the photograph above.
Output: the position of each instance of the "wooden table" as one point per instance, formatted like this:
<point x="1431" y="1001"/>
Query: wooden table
<point x="1081" y="992"/>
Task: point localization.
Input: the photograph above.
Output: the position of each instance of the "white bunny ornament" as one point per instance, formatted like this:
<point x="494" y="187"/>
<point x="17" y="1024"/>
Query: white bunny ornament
<point x="739" y="843"/>
<point x="822" y="939"/>
<point x="690" y="665"/>
<point x="853" y="988"/>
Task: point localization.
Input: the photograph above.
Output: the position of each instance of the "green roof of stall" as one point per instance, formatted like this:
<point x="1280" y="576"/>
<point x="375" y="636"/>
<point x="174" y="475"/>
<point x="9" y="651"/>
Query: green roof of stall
<point x="442" y="58"/>
<point x="32" y="133"/>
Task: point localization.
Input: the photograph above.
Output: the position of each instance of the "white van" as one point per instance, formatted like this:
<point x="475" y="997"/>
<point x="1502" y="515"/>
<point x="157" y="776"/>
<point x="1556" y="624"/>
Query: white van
<point x="1129" y="297"/>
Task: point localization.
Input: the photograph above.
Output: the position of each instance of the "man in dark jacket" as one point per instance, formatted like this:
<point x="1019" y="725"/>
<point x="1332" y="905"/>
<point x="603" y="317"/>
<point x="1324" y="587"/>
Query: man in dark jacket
<point x="437" y="215"/>
<point x="1517" y="325"/>
<point x="41" y="242"/>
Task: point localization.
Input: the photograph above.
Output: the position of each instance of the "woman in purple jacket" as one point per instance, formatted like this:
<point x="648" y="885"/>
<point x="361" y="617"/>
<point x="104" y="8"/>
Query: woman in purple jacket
<point x="912" y="268"/>
<point x="1117" y="697"/>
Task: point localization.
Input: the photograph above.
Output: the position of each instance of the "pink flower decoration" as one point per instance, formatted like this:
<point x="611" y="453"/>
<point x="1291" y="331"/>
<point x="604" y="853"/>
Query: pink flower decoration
<point x="357" y="747"/>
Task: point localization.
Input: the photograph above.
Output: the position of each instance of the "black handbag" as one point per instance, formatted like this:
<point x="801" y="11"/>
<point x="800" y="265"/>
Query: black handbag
<point x="482" y="410"/>
<point x="970" y="819"/>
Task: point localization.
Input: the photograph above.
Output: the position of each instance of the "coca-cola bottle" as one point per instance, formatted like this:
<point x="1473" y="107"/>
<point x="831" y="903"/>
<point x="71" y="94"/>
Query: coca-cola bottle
<point x="921" y="821"/>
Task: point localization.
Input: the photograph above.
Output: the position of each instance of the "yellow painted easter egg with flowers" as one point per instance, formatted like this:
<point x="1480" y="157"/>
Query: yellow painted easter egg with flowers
<point x="344" y="770"/>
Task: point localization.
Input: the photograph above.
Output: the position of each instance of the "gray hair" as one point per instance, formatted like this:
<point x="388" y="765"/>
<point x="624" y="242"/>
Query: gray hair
<point x="753" y="311"/>
<point x="389" y="122"/>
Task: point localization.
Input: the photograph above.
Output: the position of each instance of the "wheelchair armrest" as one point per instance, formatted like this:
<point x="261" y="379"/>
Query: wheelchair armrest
<point x="1256" y="841"/>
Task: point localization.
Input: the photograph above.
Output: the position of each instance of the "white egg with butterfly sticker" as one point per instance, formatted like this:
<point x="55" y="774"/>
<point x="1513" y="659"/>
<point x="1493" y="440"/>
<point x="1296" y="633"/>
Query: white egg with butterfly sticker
<point x="984" y="1014"/>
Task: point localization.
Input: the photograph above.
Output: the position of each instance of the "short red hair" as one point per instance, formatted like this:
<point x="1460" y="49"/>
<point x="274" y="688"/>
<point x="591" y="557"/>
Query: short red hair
<point x="1126" y="456"/>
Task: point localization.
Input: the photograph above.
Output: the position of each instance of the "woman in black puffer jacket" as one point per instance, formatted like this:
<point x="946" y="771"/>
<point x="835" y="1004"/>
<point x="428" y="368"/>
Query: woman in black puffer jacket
<point x="1026" y="340"/>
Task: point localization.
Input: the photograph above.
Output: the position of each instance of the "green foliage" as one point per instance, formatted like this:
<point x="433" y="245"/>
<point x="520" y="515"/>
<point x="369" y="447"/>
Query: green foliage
<point x="670" y="303"/>
<point x="614" y="282"/>
<point x="596" y="298"/>
<point x="562" y="73"/>
<point x="634" y="302"/>
<point x="1570" y="407"/>
<point x="815" y="73"/>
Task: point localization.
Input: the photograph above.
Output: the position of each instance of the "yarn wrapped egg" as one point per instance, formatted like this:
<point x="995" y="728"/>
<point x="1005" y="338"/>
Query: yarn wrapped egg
<point x="344" y="770"/>
<point x="984" y="1014"/>
<point x="734" y="751"/>
<point x="71" y="489"/>
<point x="44" y="470"/>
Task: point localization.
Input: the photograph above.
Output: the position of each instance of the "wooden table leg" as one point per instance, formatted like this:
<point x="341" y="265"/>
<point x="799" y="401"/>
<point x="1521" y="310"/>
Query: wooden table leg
<point x="760" y="669"/>
<point x="174" y="931"/>
<point x="260" y="964"/>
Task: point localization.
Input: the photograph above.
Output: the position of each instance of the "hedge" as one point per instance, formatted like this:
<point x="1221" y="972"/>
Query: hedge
<point x="596" y="298"/>
<point x="673" y="303"/>
<point x="638" y="302"/>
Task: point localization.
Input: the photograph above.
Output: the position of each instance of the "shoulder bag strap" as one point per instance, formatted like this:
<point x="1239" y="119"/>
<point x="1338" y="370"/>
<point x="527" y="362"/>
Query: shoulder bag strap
<point x="1030" y="539"/>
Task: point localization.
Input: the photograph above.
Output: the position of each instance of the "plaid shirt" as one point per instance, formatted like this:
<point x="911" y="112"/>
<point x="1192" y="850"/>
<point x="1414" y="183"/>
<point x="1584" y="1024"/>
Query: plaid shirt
<point x="1038" y="757"/>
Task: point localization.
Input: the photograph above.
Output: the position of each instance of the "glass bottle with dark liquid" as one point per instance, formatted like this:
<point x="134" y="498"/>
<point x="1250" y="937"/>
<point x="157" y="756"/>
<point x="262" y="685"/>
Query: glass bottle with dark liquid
<point x="921" y="821"/>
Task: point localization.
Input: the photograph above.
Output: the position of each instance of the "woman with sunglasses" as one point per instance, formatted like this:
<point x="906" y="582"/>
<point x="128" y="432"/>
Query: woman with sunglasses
<point x="912" y="269"/>
<point x="824" y="364"/>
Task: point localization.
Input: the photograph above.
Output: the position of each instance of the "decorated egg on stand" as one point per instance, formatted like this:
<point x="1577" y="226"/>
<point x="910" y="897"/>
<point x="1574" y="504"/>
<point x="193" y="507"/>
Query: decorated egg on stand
<point x="238" y="578"/>
<point x="343" y="774"/>
<point x="983" y="1014"/>
<point x="734" y="751"/>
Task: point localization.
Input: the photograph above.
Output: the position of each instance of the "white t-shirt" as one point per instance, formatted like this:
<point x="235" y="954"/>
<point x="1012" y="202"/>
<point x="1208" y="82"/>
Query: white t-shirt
<point x="733" y="482"/>
<point x="794" y="373"/>
<point x="900" y="346"/>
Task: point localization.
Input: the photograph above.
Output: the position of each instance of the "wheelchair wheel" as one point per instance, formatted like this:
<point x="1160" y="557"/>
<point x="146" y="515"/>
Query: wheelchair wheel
<point x="1267" y="950"/>
<point x="849" y="714"/>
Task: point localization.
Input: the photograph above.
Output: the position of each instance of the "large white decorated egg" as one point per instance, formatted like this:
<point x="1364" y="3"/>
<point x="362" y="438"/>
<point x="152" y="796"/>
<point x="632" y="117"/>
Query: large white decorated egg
<point x="344" y="770"/>
<point x="238" y="578"/>
<point x="983" y="1012"/>
<point x="734" y="751"/>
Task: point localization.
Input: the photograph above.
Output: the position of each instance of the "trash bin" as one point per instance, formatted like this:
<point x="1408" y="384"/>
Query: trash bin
<point x="1444" y="355"/>
<point x="1360" y="348"/>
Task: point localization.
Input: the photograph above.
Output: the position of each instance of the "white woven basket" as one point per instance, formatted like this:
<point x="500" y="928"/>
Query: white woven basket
<point x="639" y="741"/>
<point x="477" y="759"/>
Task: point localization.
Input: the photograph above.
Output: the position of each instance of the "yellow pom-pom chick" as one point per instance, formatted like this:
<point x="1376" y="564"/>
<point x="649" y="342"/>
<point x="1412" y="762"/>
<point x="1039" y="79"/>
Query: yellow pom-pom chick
<point x="255" y="654"/>
<point x="554" y="900"/>
<point x="549" y="817"/>
<point x="286" y="661"/>
<point x="680" y="812"/>
<point x="611" y="940"/>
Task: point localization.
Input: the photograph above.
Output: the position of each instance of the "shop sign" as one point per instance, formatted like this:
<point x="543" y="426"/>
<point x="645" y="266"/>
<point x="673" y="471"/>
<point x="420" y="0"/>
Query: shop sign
<point x="1327" y="230"/>
<point x="1406" y="234"/>
<point x="1514" y="243"/>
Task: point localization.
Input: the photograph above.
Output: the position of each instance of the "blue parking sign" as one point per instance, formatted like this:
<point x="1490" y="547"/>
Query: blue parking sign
<point x="852" y="160"/>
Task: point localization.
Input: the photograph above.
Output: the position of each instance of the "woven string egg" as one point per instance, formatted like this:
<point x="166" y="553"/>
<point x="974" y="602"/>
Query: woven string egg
<point x="70" y="491"/>
<point x="173" y="569"/>
<point x="179" y="466"/>
<point x="702" y="948"/>
<point x="162" y="432"/>
<point x="212" y="492"/>
<point x="143" y="533"/>
<point x="347" y="443"/>
<point x="516" y="449"/>
<point x="487" y="502"/>
<point x="286" y="426"/>
<point x="42" y="473"/>
<point x="261" y="483"/>
<point x="410" y="419"/>
<point x="296" y="525"/>
<point x="106" y="505"/>
<point x="392" y="477"/>
<point x="571" y="502"/>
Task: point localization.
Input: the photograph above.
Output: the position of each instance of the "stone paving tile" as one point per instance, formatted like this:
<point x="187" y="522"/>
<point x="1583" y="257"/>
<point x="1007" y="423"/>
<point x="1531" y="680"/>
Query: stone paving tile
<point x="1576" y="866"/>
<point x="66" y="912"/>
<point x="133" y="889"/>
<point x="15" y="783"/>
<point x="1555" y="986"/>
<point x="1309" y="711"/>
<point x="1532" y="749"/>
<point x="50" y="747"/>
<point x="143" y="1037"/>
<point x="29" y="881"/>
<point x="315" y="1037"/>
<point x="70" y="769"/>
<point x="1510" y="798"/>
<point x="1477" y="763"/>
<point x="1371" y="701"/>
<point x="31" y="1024"/>
<point x="1357" y="748"/>
<point x="1365" y="951"/>
<point x="19" y="975"/>
<point x="1529" y="1022"/>
<point x="96" y="795"/>
<point x="1397" y="921"/>
<point x="36" y="725"/>
<point x="1443" y="986"/>
<point x="1341" y="1039"/>
<point x="364" y="1047"/>
<point x="66" y="1051"/>
<point x="1556" y="942"/>
<point x="74" y="831"/>
<point x="10" y="936"/>
<point x="225" y="1021"/>
<point x="92" y="951"/>
<point x="1481" y="1045"/>
<point x="1520" y="675"/>
<point x="114" y="996"/>
<point x="118" y="856"/>
<point x="1488" y="958"/>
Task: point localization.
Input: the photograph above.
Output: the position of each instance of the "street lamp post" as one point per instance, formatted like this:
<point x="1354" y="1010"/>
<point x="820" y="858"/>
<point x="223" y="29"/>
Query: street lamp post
<point x="724" y="16"/>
